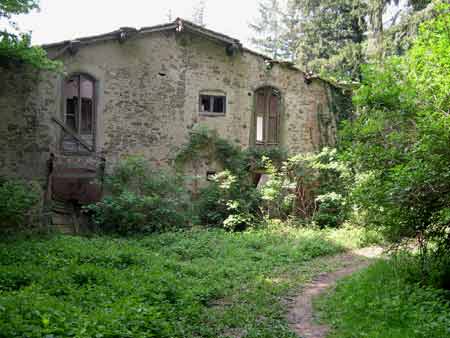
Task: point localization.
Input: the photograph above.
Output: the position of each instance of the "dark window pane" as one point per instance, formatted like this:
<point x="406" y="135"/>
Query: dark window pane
<point x="219" y="104"/>
<point x="86" y="116"/>
<point x="71" y="89"/>
<point x="205" y="103"/>
<point x="71" y="111"/>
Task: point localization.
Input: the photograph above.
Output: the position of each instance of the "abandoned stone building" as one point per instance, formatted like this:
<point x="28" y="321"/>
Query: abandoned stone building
<point x="142" y="92"/>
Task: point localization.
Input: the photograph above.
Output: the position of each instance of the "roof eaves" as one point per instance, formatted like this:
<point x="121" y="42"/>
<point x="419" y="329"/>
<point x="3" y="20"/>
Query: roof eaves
<point x="190" y="26"/>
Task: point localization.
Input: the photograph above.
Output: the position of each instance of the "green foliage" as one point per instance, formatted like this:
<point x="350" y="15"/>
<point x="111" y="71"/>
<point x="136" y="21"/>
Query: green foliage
<point x="398" y="145"/>
<point x="203" y="141"/>
<point x="256" y="157"/>
<point x="313" y="187"/>
<point x="229" y="202"/>
<point x="15" y="47"/>
<point x="386" y="301"/>
<point x="9" y="7"/>
<point x="142" y="200"/>
<point x="177" y="284"/>
<point x="18" y="203"/>
<point x="332" y="39"/>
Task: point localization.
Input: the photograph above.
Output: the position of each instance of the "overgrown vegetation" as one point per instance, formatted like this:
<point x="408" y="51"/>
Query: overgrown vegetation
<point x="387" y="300"/>
<point x="203" y="283"/>
<point x="310" y="187"/>
<point x="141" y="200"/>
<point x="19" y="204"/>
<point x="231" y="199"/>
<point x="398" y="145"/>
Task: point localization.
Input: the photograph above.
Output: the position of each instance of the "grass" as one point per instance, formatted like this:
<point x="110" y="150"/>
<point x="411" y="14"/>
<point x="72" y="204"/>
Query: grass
<point x="385" y="301"/>
<point x="183" y="284"/>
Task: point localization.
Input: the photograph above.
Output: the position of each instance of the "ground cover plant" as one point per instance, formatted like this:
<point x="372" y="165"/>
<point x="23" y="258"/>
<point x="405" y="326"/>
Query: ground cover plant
<point x="387" y="301"/>
<point x="196" y="283"/>
<point x="19" y="203"/>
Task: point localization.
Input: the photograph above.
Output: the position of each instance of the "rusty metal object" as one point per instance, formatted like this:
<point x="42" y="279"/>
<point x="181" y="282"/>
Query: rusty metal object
<point x="76" y="184"/>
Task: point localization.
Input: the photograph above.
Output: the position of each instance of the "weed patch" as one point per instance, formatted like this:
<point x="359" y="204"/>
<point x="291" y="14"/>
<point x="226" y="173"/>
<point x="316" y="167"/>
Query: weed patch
<point x="382" y="302"/>
<point x="194" y="283"/>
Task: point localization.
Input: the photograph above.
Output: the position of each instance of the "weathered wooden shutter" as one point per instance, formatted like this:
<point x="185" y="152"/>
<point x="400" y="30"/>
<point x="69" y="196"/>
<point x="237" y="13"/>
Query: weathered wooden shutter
<point x="272" y="117"/>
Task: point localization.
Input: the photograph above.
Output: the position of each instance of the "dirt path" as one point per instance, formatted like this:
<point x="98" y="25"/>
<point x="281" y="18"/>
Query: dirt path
<point x="300" y="314"/>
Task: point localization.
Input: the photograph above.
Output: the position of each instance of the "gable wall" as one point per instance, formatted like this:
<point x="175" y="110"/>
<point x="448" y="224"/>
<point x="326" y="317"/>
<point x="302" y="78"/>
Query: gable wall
<point x="140" y="111"/>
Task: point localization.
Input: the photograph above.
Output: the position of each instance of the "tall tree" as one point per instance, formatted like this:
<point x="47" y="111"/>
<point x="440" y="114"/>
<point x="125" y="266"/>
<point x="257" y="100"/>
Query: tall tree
<point x="377" y="9"/>
<point x="275" y="29"/>
<point x="15" y="47"/>
<point x="331" y="37"/>
<point x="291" y="22"/>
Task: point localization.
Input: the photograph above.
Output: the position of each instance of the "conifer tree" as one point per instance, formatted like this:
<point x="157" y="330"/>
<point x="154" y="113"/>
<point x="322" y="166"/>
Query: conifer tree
<point x="268" y="28"/>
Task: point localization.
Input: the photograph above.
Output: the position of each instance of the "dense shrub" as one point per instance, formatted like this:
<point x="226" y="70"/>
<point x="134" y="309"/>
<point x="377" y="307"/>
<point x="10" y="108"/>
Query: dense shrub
<point x="141" y="200"/>
<point x="19" y="203"/>
<point x="399" y="144"/>
<point x="312" y="187"/>
<point x="229" y="201"/>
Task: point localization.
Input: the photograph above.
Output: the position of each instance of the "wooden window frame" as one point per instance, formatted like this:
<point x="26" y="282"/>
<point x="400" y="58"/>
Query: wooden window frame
<point x="82" y="150"/>
<point x="268" y="91"/>
<point x="212" y="97"/>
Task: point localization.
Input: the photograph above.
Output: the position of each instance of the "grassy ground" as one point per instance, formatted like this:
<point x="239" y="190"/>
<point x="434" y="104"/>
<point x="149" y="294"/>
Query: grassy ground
<point x="384" y="301"/>
<point x="186" y="284"/>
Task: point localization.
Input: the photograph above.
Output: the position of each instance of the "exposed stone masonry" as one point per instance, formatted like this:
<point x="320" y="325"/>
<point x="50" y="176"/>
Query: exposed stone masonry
<point x="147" y="94"/>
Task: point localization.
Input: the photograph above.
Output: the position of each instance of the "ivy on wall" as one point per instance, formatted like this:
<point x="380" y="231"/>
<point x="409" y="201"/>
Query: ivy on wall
<point x="204" y="142"/>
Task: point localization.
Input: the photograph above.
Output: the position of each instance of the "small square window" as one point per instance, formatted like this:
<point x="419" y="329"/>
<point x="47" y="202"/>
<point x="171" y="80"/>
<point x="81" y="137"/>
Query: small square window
<point x="212" y="104"/>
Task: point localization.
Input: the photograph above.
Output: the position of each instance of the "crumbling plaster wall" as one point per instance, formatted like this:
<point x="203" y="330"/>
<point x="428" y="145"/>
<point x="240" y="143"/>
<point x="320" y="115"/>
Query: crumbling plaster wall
<point x="147" y="100"/>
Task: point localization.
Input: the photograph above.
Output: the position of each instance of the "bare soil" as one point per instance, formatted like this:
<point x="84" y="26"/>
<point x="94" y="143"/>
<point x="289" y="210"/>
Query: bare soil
<point x="300" y="310"/>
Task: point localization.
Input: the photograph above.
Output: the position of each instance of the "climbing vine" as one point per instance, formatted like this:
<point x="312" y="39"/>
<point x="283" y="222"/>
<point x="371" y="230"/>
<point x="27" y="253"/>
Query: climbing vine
<point x="206" y="142"/>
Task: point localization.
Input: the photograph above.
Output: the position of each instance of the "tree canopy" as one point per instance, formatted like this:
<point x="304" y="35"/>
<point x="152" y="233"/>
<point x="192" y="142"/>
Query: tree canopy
<point x="399" y="142"/>
<point x="15" y="46"/>
<point x="335" y="37"/>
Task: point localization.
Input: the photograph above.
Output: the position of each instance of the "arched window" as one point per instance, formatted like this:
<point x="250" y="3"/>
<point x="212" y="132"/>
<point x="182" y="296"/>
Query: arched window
<point x="79" y="112"/>
<point x="267" y="116"/>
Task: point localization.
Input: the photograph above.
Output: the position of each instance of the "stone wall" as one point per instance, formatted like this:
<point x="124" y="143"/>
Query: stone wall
<point x="147" y="93"/>
<point x="27" y="102"/>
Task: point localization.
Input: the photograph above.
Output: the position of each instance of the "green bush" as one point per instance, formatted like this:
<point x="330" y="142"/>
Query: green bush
<point x="141" y="200"/>
<point x="331" y="210"/>
<point x="312" y="187"/>
<point x="398" y="145"/>
<point x="229" y="201"/>
<point x="18" y="203"/>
